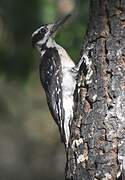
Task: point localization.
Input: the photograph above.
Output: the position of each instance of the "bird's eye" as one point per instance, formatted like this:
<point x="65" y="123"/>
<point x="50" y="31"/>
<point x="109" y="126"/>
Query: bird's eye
<point x="43" y="30"/>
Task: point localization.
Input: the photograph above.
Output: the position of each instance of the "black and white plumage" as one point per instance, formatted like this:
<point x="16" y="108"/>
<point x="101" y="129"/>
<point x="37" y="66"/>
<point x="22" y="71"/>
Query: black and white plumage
<point x="51" y="78"/>
<point x="57" y="76"/>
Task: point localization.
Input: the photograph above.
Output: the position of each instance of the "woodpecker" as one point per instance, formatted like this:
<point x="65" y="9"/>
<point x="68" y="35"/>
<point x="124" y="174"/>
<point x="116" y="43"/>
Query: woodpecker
<point x="58" y="76"/>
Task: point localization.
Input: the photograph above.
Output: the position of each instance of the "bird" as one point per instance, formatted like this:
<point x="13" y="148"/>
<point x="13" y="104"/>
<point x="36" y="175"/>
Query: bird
<point x="57" y="73"/>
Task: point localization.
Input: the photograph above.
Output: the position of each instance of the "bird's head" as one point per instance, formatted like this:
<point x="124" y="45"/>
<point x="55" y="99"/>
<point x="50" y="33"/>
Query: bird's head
<point x="42" y="35"/>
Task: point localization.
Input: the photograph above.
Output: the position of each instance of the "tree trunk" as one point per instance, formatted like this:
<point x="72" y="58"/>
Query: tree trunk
<point x="97" y="144"/>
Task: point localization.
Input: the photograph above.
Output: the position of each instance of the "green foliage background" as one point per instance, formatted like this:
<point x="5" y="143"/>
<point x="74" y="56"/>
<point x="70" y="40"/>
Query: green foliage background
<point x="30" y="146"/>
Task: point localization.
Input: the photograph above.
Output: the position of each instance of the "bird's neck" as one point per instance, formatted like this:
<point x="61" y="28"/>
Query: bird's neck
<point x="66" y="61"/>
<point x="49" y="44"/>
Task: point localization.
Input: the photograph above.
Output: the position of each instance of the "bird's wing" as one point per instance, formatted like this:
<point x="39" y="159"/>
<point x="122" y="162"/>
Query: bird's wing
<point x="51" y="79"/>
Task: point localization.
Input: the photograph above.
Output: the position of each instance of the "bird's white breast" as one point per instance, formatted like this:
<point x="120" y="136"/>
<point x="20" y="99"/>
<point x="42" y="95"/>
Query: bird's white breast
<point x="68" y="87"/>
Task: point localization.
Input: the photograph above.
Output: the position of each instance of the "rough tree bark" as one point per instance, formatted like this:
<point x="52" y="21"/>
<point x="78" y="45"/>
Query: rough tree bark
<point x="97" y="144"/>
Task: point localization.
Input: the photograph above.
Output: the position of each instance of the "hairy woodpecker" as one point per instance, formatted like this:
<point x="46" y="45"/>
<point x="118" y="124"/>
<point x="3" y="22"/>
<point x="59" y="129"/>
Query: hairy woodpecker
<point x="57" y="75"/>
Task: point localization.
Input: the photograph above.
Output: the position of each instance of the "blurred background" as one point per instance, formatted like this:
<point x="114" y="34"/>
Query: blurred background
<point x="30" y="147"/>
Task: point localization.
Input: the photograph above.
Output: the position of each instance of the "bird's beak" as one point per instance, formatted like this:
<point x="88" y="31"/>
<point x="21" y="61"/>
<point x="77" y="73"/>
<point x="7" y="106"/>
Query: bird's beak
<point x="59" y="23"/>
